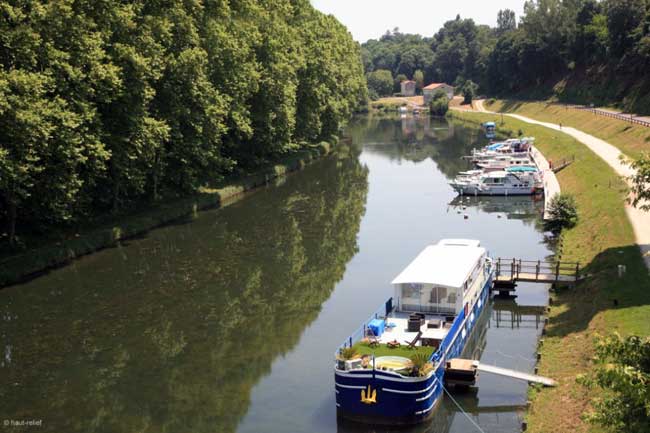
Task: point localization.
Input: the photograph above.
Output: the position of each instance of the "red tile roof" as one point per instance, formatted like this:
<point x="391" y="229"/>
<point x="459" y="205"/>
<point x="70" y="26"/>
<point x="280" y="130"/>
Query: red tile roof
<point x="408" y="81"/>
<point x="435" y="86"/>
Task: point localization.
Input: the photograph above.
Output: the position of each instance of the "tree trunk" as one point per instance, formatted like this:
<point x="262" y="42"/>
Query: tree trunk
<point x="12" y="223"/>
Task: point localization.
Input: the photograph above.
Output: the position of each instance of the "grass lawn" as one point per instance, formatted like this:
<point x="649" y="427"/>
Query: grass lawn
<point x="629" y="138"/>
<point x="364" y="348"/>
<point x="602" y="239"/>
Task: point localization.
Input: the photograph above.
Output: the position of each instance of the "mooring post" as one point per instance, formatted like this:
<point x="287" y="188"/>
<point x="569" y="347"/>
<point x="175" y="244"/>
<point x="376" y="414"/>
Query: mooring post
<point x="513" y="265"/>
<point x="577" y="271"/>
<point x="537" y="269"/>
<point x="557" y="271"/>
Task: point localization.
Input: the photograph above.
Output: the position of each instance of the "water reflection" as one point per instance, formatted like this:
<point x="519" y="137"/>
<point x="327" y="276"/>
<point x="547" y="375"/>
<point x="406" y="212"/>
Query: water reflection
<point x="525" y="208"/>
<point x="171" y="332"/>
<point x="419" y="138"/>
<point x="228" y="322"/>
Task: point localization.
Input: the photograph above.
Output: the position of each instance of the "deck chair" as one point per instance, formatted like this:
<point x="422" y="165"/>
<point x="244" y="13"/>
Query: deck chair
<point x="411" y="344"/>
<point x="373" y="340"/>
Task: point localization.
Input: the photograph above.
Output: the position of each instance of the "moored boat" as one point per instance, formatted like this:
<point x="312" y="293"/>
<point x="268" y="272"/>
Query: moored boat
<point x="510" y="147"/>
<point x="502" y="162"/>
<point x="500" y="183"/>
<point x="438" y="299"/>
<point x="490" y="130"/>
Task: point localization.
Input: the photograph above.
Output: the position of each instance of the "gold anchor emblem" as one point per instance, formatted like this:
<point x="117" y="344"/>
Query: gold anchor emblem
<point x="370" y="397"/>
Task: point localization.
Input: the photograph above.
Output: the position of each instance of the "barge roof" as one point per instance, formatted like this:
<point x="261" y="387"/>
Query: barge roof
<point x="447" y="264"/>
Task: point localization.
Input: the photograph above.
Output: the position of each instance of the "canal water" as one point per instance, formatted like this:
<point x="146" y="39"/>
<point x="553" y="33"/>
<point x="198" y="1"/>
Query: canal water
<point x="228" y="321"/>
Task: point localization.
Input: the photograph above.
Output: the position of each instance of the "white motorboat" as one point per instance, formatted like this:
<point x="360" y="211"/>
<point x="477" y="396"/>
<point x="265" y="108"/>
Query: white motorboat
<point x="510" y="147"/>
<point x="505" y="161"/>
<point x="499" y="183"/>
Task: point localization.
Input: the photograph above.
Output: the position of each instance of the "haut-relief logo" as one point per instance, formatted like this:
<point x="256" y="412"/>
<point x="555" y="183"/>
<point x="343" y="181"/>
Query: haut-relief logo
<point x="369" y="397"/>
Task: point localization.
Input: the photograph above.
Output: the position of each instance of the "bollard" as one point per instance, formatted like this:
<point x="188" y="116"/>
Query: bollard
<point x="524" y="426"/>
<point x="539" y="356"/>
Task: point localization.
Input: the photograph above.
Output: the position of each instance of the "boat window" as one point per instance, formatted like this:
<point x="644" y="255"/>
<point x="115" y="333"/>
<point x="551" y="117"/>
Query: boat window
<point x="438" y="295"/>
<point x="411" y="290"/>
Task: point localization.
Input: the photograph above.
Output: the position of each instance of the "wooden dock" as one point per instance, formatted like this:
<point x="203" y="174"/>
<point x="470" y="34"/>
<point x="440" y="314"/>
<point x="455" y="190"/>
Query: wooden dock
<point x="511" y="271"/>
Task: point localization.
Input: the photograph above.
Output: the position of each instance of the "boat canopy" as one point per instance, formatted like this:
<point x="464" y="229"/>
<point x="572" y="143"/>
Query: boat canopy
<point x="447" y="264"/>
<point x="521" y="169"/>
<point x="489" y="124"/>
<point x="495" y="146"/>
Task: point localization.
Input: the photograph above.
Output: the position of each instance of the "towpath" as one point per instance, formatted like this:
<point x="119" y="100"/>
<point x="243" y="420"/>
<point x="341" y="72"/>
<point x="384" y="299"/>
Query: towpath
<point x="639" y="219"/>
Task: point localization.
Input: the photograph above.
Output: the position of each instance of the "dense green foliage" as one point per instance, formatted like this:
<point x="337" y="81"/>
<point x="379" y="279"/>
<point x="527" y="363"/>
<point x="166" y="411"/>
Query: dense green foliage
<point x="640" y="191"/>
<point x="588" y="51"/>
<point x="380" y="83"/>
<point x="563" y="213"/>
<point x="439" y="104"/>
<point x="105" y="104"/>
<point x="469" y="90"/>
<point x="459" y="51"/>
<point x="624" y="375"/>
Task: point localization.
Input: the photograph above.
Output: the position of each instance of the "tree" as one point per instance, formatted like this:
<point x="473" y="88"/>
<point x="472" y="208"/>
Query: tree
<point x="506" y="21"/>
<point x="563" y="213"/>
<point x="145" y="99"/>
<point x="623" y="18"/>
<point x="439" y="104"/>
<point x="381" y="82"/>
<point x="469" y="90"/>
<point x="418" y="77"/>
<point x="623" y="374"/>
<point x="640" y="193"/>
<point x="398" y="80"/>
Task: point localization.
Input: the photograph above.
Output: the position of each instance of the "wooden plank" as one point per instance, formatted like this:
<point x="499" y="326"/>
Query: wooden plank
<point x="459" y="364"/>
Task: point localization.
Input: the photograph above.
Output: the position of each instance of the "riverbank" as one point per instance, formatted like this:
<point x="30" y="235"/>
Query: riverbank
<point x="20" y="267"/>
<point x="629" y="138"/>
<point x="603" y="303"/>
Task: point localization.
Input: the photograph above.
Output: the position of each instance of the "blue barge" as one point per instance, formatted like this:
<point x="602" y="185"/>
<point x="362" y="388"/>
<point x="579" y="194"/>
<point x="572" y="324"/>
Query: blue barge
<point x="438" y="300"/>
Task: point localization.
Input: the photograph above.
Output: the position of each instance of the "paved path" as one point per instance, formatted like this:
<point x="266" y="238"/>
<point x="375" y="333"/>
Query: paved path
<point x="551" y="185"/>
<point x="639" y="219"/>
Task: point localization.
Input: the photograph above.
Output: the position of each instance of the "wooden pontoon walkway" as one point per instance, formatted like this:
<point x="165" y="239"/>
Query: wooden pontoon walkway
<point x="469" y="367"/>
<point x="511" y="271"/>
<point x="546" y="381"/>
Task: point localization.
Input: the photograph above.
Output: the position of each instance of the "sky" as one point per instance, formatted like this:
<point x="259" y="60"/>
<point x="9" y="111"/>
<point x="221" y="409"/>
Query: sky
<point x="369" y="19"/>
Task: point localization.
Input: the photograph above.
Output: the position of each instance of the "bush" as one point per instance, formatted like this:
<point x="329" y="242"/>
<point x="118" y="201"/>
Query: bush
<point x="563" y="212"/>
<point x="623" y="372"/>
<point x="439" y="104"/>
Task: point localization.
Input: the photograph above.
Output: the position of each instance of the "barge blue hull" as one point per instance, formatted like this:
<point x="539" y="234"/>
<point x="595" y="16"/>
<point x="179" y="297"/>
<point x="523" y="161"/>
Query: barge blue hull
<point x="405" y="400"/>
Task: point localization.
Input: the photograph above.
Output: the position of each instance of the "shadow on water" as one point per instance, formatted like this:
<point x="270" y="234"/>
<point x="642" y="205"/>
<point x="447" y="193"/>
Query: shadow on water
<point x="172" y="332"/>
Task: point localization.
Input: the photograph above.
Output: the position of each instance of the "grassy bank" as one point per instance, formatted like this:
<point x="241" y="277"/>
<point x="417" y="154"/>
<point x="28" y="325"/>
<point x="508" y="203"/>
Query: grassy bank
<point x="629" y="138"/>
<point x="602" y="239"/>
<point x="18" y="267"/>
